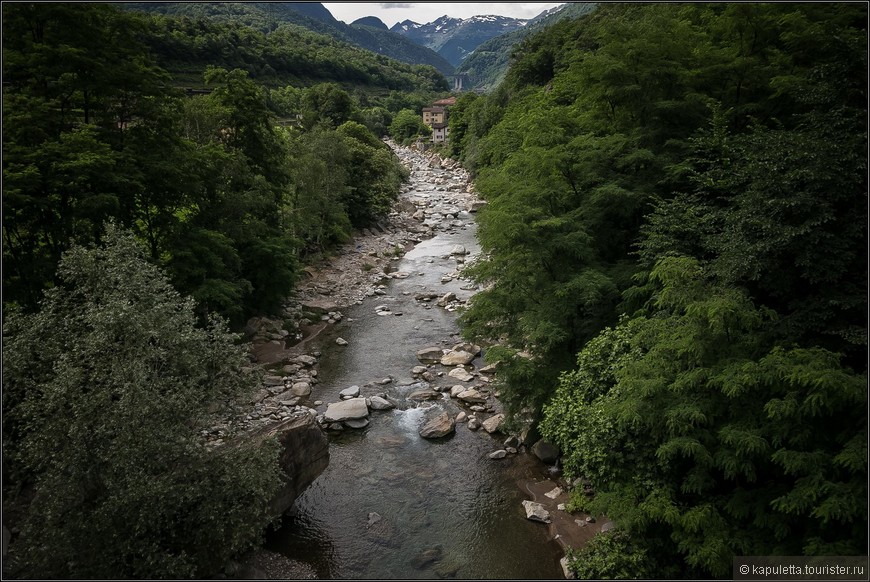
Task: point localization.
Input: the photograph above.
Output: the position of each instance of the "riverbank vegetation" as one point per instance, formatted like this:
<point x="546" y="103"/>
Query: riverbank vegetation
<point x="676" y="277"/>
<point x="220" y="194"/>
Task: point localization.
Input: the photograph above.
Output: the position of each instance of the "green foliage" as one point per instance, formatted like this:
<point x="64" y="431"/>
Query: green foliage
<point x="227" y="201"/>
<point x="105" y="418"/>
<point x="742" y="448"/>
<point x="407" y="124"/>
<point x="326" y="103"/>
<point x="332" y="46"/>
<point x="696" y="173"/>
<point x="611" y="556"/>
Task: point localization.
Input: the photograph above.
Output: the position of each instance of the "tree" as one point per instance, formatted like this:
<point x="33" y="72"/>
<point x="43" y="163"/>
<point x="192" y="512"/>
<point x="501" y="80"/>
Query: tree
<point x="407" y="124"/>
<point x="105" y="418"/>
<point x="704" y="439"/>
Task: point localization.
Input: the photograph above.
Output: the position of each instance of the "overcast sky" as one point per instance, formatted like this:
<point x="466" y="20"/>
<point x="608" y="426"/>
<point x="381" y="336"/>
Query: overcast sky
<point x="424" y="12"/>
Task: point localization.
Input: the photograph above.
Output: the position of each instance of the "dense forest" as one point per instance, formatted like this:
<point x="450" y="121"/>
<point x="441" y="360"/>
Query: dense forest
<point x="268" y="16"/>
<point x="225" y="199"/>
<point x="675" y="281"/>
<point x="133" y="212"/>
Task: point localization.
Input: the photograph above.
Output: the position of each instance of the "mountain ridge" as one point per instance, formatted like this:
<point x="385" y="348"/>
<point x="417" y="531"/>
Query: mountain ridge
<point x="456" y="38"/>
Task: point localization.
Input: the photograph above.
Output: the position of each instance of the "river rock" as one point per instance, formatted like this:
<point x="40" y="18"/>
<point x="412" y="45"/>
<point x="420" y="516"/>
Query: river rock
<point x="566" y="571"/>
<point x="499" y="454"/>
<point x="304" y="455"/>
<point x="430" y="355"/>
<point x="456" y="358"/>
<point x="340" y="341"/>
<point x="461" y="417"/>
<point x="607" y="526"/>
<point x="473" y="423"/>
<point x="378" y="403"/>
<point x="460" y="374"/>
<point x="373" y="518"/>
<point x="447" y="298"/>
<point x="489" y="369"/>
<point x="273" y="381"/>
<point x="425" y="394"/>
<point x="554" y="493"/>
<point x="458" y="250"/>
<point x="304" y="360"/>
<point x="440" y="426"/>
<point x="351" y="392"/>
<point x="301" y="389"/>
<point x="493" y="423"/>
<point x="457" y="389"/>
<point x="471" y="396"/>
<point x="417" y="370"/>
<point x="546" y="451"/>
<point x="346" y="410"/>
<point x="536" y="511"/>
<point x="357" y="423"/>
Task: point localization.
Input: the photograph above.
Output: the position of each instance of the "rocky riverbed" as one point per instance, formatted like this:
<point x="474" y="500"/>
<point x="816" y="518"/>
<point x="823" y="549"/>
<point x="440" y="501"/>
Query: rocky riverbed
<point x="369" y="350"/>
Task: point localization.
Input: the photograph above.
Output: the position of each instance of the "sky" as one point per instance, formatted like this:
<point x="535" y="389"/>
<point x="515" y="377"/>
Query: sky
<point x="424" y="12"/>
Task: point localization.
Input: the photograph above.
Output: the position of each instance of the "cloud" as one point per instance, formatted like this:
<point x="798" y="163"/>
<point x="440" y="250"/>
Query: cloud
<point x="387" y="5"/>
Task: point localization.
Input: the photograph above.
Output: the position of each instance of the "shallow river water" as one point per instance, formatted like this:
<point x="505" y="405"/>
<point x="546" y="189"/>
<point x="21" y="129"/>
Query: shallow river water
<point x="444" y="509"/>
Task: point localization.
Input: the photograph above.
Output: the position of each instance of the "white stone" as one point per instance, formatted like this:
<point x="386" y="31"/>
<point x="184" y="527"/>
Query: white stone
<point x="554" y="493"/>
<point x="460" y="374"/>
<point x="499" y="454"/>
<point x="456" y="358"/>
<point x="346" y="410"/>
<point x="341" y="341"/>
<point x="536" y="511"/>
<point x="493" y="423"/>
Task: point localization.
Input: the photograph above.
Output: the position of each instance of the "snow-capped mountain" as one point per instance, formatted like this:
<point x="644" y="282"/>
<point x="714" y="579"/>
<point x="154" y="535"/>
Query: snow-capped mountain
<point x="455" y="38"/>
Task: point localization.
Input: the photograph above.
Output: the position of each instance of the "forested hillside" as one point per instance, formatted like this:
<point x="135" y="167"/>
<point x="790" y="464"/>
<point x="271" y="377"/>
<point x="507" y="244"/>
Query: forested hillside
<point x="224" y="199"/>
<point x="267" y="16"/>
<point x="675" y="281"/>
<point x="487" y="65"/>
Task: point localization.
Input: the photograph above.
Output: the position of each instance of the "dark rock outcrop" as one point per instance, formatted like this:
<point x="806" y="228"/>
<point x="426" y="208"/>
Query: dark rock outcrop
<point x="304" y="456"/>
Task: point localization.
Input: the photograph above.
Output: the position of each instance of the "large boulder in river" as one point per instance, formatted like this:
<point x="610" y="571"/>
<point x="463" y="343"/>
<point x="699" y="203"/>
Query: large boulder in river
<point x="379" y="403"/>
<point x="430" y="355"/>
<point x="304" y="455"/>
<point x="346" y="410"/>
<point x="440" y="426"/>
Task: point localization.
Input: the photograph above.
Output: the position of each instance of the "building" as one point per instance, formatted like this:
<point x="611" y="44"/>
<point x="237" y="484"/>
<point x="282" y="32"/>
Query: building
<point x="433" y="115"/>
<point x="436" y="118"/>
<point x="440" y="132"/>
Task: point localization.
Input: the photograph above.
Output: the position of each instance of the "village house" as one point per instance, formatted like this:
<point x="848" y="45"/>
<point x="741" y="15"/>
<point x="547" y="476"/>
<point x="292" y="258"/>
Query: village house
<point x="436" y="118"/>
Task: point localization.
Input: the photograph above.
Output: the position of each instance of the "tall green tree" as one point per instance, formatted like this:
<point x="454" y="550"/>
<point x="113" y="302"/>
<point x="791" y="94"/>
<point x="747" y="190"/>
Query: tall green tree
<point x="105" y="419"/>
<point x="704" y="439"/>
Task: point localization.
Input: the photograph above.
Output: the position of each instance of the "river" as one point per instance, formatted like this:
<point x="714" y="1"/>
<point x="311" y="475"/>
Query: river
<point x="392" y="504"/>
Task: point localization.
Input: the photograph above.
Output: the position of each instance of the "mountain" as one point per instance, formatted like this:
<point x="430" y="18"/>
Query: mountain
<point x="266" y="16"/>
<point x="488" y="64"/>
<point x="372" y="21"/>
<point x="455" y="38"/>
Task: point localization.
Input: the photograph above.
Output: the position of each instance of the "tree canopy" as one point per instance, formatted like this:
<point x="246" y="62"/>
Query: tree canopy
<point x="105" y="416"/>
<point x="675" y="273"/>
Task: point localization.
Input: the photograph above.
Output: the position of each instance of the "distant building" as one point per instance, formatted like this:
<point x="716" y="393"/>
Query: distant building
<point x="440" y="132"/>
<point x="436" y="118"/>
<point x="433" y="115"/>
